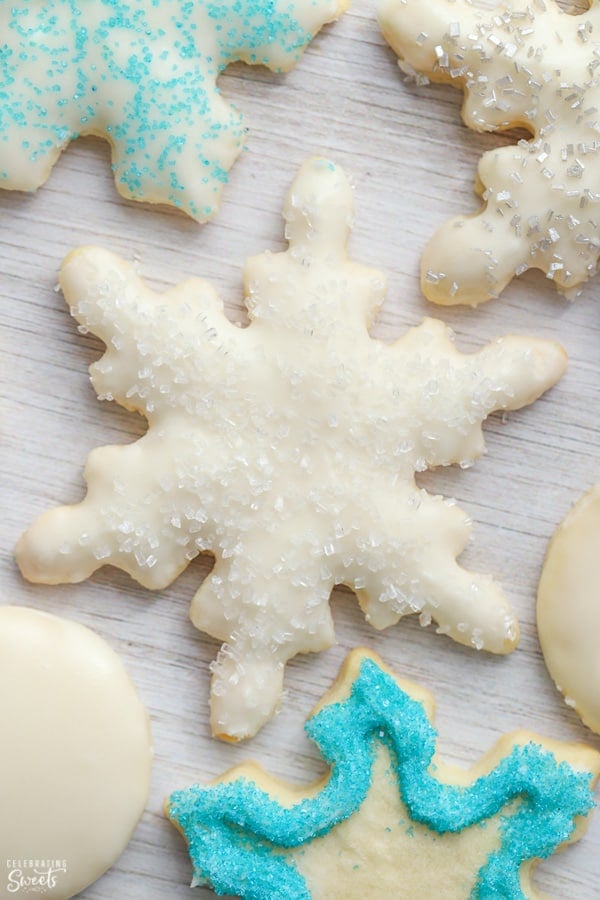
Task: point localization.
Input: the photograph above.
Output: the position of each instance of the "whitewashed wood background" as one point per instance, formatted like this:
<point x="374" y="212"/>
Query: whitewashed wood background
<point x="413" y="165"/>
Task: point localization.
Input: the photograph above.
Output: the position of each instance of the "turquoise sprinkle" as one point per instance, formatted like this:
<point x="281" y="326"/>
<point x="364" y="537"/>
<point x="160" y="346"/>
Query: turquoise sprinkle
<point x="142" y="72"/>
<point x="236" y="831"/>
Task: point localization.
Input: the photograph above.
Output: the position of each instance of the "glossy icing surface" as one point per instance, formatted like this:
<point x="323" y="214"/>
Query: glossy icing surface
<point x="568" y="608"/>
<point x="520" y="64"/>
<point x="523" y="803"/>
<point x="288" y="449"/>
<point x="75" y="754"/>
<point x="143" y="75"/>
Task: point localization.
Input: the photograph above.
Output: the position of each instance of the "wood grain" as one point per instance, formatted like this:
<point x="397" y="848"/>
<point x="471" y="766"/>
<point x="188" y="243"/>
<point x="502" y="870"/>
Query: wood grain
<point x="413" y="165"/>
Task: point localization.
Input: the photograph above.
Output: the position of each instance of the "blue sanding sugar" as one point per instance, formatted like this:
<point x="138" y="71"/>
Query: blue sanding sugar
<point x="236" y="831"/>
<point x="141" y="72"/>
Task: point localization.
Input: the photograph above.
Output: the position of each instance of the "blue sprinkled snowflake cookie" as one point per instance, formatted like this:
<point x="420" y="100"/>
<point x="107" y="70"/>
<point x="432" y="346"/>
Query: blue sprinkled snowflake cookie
<point x="389" y="819"/>
<point x="142" y="74"/>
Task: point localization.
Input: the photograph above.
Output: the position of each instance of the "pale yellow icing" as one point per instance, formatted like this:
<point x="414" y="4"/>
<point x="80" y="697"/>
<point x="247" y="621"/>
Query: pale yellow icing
<point x="568" y="609"/>
<point x="75" y="755"/>
<point x="287" y="449"/>
<point x="521" y="64"/>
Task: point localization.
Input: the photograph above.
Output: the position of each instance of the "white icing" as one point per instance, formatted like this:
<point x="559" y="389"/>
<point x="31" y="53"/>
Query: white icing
<point x="521" y="64"/>
<point x="568" y="610"/>
<point x="75" y="755"/>
<point x="287" y="449"/>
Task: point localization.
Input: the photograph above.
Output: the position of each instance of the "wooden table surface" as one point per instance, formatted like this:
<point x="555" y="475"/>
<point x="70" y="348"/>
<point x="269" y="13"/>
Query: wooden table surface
<point x="413" y="165"/>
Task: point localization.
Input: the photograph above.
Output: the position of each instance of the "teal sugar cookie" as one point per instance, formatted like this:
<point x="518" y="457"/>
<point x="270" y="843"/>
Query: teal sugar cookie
<point x="389" y="819"/>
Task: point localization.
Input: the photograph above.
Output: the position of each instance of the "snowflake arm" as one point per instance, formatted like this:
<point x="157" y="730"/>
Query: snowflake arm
<point x="143" y="76"/>
<point x="288" y="449"/>
<point x="520" y="65"/>
<point x="252" y="836"/>
<point x="459" y="391"/>
<point x="158" y="349"/>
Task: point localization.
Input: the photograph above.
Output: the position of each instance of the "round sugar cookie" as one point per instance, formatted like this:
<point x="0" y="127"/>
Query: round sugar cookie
<point x="568" y="608"/>
<point x="75" y="755"/>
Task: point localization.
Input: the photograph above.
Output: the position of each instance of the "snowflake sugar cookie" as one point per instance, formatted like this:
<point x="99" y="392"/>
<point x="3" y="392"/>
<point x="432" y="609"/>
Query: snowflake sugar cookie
<point x="389" y="819"/>
<point x="143" y="76"/>
<point x="525" y="64"/>
<point x="288" y="449"/>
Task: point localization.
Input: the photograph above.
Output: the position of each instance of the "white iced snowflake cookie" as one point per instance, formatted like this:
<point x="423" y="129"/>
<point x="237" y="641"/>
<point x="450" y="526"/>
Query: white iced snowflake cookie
<point x="144" y="77"/>
<point x="568" y="609"/>
<point x="525" y="64"/>
<point x="75" y="755"/>
<point x="287" y="449"/>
